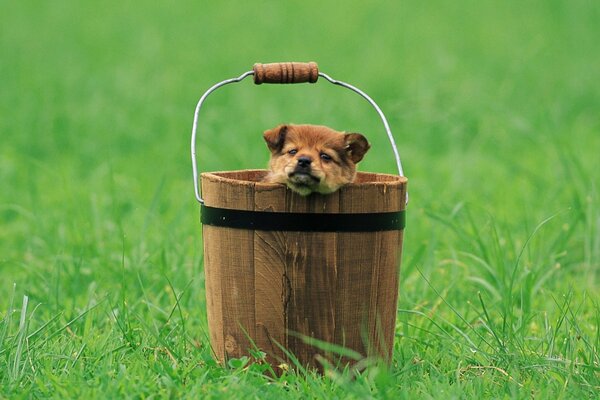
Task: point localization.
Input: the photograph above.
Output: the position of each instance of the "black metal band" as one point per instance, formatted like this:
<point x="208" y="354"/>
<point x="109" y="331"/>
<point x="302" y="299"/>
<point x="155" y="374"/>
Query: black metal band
<point x="302" y="222"/>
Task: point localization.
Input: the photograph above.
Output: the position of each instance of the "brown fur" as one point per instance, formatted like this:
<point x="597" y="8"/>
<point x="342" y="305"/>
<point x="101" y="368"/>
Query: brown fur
<point x="312" y="158"/>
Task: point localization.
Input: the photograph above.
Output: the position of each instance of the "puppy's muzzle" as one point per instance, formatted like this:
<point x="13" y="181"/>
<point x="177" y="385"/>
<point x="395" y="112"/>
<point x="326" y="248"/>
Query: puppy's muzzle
<point x="302" y="173"/>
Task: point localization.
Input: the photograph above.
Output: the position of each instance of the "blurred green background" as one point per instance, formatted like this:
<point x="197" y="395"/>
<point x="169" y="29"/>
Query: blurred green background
<point x="494" y="105"/>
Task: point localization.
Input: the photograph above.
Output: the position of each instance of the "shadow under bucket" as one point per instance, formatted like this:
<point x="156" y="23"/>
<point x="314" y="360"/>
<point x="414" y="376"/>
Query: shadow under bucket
<point x="284" y="270"/>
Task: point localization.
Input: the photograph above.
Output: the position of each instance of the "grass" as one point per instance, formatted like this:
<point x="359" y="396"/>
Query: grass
<point x="494" y="106"/>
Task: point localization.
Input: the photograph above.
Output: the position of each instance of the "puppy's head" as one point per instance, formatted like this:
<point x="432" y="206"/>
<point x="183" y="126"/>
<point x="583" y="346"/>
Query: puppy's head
<point x="310" y="158"/>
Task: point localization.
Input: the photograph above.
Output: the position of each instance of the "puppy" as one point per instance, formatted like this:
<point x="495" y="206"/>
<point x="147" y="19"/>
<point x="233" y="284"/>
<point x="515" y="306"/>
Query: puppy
<point x="311" y="158"/>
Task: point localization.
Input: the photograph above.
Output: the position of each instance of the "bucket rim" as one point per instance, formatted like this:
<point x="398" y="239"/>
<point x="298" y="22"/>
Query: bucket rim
<point x="362" y="178"/>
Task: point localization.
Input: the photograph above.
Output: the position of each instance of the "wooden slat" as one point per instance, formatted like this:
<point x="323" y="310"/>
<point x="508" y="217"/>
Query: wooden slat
<point x="232" y="255"/>
<point x="355" y="273"/>
<point x="312" y="269"/>
<point x="354" y="288"/>
<point x="388" y="258"/>
<point x="271" y="283"/>
<point x="368" y="265"/>
<point x="212" y="282"/>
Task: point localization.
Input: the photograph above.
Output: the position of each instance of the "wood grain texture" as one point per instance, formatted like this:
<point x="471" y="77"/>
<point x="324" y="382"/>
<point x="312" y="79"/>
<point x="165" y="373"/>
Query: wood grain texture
<point x="286" y="72"/>
<point x="312" y="271"/>
<point x="231" y="266"/>
<point x="212" y="281"/>
<point x="271" y="284"/>
<point x="285" y="288"/>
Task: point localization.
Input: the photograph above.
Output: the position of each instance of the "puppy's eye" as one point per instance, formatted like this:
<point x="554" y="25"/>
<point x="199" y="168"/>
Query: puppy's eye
<point x="325" y="157"/>
<point x="292" y="151"/>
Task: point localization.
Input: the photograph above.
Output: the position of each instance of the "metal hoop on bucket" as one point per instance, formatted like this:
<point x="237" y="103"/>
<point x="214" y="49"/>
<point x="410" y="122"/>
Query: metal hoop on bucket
<point x="284" y="73"/>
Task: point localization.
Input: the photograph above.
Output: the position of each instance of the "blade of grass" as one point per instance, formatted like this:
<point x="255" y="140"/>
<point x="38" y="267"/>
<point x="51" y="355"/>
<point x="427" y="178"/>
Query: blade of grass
<point x="20" y="341"/>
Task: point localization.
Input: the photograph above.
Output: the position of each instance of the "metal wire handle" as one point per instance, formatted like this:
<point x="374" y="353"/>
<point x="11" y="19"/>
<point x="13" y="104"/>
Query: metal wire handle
<point x="245" y="75"/>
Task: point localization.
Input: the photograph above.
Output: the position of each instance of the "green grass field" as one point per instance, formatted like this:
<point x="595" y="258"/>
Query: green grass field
<point x="496" y="110"/>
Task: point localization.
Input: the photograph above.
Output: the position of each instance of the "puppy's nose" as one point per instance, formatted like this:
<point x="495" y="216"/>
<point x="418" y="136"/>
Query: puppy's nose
<point x="304" y="161"/>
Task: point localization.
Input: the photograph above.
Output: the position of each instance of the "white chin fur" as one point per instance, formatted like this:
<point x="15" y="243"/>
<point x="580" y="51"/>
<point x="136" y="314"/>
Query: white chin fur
<point x="301" y="190"/>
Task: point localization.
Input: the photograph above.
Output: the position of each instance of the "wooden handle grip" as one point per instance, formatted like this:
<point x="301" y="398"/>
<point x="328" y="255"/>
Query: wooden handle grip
<point x="286" y="72"/>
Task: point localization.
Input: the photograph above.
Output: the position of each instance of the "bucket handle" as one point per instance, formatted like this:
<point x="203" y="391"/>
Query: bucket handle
<point x="284" y="73"/>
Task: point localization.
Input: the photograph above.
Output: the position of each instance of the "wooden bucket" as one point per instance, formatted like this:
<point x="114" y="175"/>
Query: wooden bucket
<point x="304" y="279"/>
<point x="274" y="288"/>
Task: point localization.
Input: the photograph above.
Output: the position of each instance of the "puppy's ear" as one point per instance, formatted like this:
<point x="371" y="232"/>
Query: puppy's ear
<point x="275" y="138"/>
<point x="356" y="146"/>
